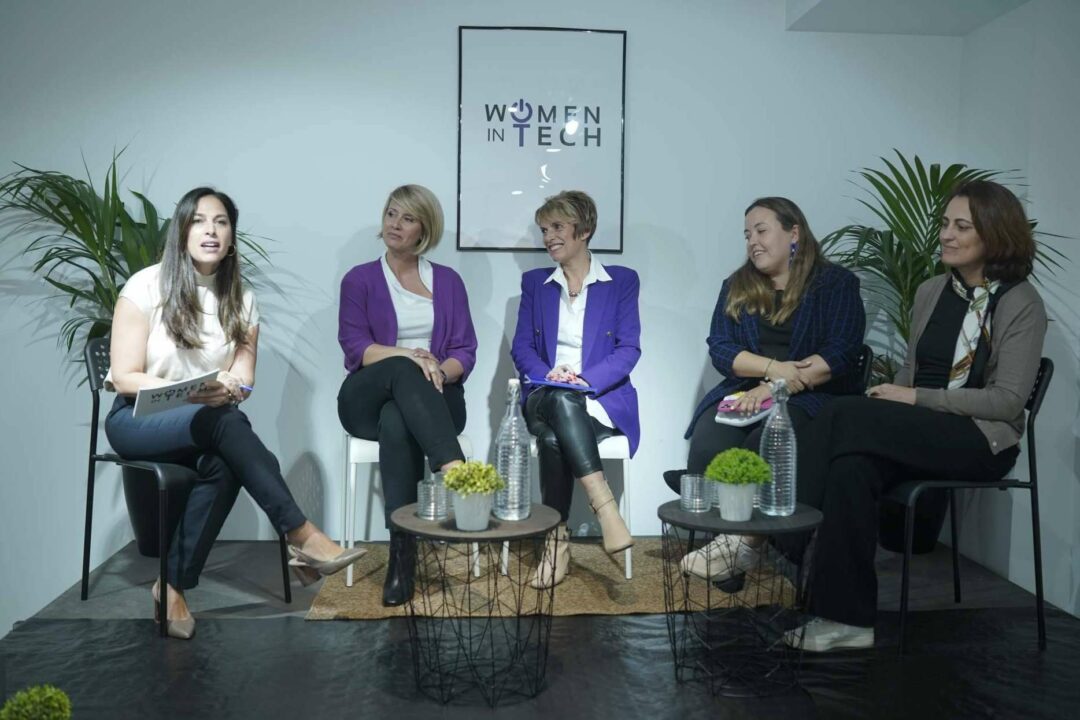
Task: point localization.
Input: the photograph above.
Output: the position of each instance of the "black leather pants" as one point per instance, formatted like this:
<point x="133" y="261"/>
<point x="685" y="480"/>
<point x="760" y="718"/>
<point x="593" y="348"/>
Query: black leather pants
<point x="567" y="437"/>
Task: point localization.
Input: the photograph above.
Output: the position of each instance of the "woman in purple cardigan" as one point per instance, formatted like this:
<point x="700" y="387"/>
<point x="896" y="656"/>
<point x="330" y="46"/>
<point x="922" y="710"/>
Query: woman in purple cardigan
<point x="577" y="324"/>
<point x="409" y="344"/>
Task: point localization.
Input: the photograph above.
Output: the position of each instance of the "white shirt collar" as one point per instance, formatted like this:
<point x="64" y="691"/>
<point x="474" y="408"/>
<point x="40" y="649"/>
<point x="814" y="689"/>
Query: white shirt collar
<point x="597" y="273"/>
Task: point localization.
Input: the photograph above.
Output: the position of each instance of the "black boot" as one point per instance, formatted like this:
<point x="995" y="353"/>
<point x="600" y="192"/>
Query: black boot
<point x="398" y="586"/>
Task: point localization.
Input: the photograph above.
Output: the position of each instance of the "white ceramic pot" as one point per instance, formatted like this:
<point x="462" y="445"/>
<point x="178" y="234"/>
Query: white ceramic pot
<point x="736" y="502"/>
<point x="472" y="512"/>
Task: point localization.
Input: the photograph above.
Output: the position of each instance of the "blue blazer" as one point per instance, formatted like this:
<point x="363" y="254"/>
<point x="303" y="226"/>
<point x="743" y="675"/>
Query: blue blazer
<point x="830" y="321"/>
<point x="611" y="342"/>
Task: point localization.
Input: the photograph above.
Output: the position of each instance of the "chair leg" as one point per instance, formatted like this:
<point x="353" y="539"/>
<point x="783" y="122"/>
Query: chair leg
<point x="285" y="568"/>
<point x="350" y="518"/>
<point x="905" y="578"/>
<point x="87" y="528"/>
<point x="163" y="556"/>
<point x="954" y="528"/>
<point x="1036" y="541"/>
<point x="626" y="516"/>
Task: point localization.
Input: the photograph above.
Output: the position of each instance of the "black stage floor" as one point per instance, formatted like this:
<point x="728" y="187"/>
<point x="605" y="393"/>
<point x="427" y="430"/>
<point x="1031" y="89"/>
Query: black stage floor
<point x="254" y="657"/>
<point x="962" y="664"/>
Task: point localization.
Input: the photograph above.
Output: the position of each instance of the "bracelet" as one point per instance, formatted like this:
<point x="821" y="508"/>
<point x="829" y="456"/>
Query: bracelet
<point x="767" y="366"/>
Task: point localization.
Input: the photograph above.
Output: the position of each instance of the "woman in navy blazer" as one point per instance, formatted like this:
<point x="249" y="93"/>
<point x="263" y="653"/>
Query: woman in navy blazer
<point x="577" y="324"/>
<point x="786" y="313"/>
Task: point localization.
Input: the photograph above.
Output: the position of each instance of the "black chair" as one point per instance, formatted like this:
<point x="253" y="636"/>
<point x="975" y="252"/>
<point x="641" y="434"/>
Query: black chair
<point x="864" y="367"/>
<point x="907" y="494"/>
<point x="169" y="477"/>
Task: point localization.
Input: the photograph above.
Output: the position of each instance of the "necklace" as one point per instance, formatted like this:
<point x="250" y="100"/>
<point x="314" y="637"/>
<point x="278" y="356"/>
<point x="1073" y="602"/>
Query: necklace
<point x="571" y="293"/>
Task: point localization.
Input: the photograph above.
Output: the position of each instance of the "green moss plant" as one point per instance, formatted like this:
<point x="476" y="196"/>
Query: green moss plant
<point x="473" y="477"/>
<point x="40" y="702"/>
<point x="736" y="466"/>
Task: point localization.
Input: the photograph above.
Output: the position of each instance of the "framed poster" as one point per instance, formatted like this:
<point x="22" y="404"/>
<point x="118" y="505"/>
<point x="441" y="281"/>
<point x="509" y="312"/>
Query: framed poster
<point x="540" y="110"/>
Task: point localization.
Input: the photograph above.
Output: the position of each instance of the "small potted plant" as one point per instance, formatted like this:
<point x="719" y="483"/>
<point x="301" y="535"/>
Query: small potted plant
<point x="40" y="702"/>
<point x="472" y="486"/>
<point x="737" y="473"/>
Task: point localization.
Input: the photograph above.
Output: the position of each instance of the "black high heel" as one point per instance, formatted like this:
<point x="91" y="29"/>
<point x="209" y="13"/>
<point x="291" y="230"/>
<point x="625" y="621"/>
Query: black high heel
<point x="398" y="587"/>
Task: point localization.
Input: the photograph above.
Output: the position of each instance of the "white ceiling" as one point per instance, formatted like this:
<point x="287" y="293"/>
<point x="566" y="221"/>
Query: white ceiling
<point x="896" y="17"/>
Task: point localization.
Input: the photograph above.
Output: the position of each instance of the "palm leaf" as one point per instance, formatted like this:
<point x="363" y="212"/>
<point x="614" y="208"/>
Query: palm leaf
<point x="86" y="244"/>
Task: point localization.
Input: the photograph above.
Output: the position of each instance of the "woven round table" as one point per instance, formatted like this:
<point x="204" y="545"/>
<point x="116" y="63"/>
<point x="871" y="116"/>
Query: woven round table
<point x="476" y="626"/>
<point x="729" y="632"/>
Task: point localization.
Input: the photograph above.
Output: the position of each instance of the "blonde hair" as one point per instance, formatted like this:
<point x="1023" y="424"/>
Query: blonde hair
<point x="572" y="205"/>
<point x="752" y="290"/>
<point x="420" y="202"/>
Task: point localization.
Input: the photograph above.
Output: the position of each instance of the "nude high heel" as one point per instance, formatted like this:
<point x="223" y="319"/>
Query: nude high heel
<point x="555" y="564"/>
<point x="612" y="527"/>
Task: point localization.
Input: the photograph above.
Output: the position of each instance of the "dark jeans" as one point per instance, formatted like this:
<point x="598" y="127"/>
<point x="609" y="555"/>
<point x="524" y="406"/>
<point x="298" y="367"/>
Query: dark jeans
<point x="711" y="437"/>
<point x="567" y="438"/>
<point x="392" y="402"/>
<point x="219" y="444"/>
<point x="856" y="449"/>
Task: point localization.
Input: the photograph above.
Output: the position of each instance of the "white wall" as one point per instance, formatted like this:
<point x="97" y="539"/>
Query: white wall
<point x="308" y="115"/>
<point x="1019" y="101"/>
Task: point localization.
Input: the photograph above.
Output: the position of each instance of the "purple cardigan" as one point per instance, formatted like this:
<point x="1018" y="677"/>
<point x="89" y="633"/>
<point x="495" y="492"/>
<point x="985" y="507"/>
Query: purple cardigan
<point x="366" y="316"/>
<point x="611" y="341"/>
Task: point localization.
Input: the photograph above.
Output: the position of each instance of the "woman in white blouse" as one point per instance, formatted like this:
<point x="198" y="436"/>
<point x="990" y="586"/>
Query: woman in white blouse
<point x="409" y="345"/>
<point x="187" y="316"/>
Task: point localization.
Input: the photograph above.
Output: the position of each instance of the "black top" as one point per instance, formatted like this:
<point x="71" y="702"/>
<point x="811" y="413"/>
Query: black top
<point x="775" y="340"/>
<point x="934" y="354"/>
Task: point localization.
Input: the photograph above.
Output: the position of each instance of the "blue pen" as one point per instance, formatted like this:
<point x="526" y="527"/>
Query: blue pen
<point x="248" y="388"/>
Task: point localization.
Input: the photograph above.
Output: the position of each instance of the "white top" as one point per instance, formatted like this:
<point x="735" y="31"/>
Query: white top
<point x="415" y="313"/>
<point x="163" y="358"/>
<point x="569" y="342"/>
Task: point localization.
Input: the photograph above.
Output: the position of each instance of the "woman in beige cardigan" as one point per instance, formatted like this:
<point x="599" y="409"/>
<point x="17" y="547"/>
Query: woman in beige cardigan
<point x="955" y="409"/>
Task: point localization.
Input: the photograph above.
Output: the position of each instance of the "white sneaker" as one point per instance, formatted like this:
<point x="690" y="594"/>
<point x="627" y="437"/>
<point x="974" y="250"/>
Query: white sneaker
<point x="821" y="635"/>
<point x="714" y="561"/>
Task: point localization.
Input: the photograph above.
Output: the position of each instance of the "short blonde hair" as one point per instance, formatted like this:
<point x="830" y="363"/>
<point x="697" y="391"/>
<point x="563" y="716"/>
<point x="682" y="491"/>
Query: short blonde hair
<point x="420" y="202"/>
<point x="572" y="205"/>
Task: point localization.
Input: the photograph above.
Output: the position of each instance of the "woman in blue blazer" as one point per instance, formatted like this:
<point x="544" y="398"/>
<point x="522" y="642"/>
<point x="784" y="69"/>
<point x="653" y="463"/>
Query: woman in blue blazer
<point x="578" y="324"/>
<point x="786" y="313"/>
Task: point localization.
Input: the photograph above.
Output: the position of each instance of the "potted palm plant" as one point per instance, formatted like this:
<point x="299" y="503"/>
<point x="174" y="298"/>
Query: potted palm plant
<point x="736" y="474"/>
<point x="908" y="198"/>
<point x="85" y="244"/>
<point x="472" y="487"/>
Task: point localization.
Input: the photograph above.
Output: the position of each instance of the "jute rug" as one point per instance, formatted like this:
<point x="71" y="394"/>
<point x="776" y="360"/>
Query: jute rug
<point x="596" y="585"/>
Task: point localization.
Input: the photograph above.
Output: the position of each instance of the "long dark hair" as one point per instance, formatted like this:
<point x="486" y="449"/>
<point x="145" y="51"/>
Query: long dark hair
<point x="751" y="290"/>
<point x="1003" y="227"/>
<point x="180" y="301"/>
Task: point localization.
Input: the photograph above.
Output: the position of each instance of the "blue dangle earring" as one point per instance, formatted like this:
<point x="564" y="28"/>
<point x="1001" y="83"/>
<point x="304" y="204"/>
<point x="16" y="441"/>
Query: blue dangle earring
<point x="791" y="257"/>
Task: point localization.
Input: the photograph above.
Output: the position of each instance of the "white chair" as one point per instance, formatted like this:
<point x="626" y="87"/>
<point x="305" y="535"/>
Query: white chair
<point x="616" y="447"/>
<point x="366" y="452"/>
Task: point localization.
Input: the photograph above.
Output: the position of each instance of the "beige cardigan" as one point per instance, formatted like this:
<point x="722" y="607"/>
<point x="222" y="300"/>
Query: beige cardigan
<point x="1017" y="330"/>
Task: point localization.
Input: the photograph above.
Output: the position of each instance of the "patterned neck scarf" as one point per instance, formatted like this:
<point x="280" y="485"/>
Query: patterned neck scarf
<point x="976" y="325"/>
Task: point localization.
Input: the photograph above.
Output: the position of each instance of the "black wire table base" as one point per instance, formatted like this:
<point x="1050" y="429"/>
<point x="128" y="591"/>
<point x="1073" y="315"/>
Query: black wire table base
<point x="729" y="634"/>
<point x="478" y="630"/>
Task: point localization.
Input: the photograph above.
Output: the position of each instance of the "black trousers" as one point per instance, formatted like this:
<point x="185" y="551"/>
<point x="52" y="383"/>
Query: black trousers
<point x="567" y="438"/>
<point x="854" y="450"/>
<point x="220" y="445"/>
<point x="392" y="402"/>
<point x="711" y="437"/>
